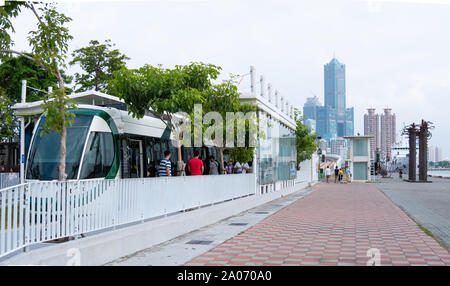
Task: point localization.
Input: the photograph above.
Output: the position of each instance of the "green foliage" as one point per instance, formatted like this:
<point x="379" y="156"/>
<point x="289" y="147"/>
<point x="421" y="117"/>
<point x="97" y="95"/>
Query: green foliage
<point x="442" y="164"/>
<point x="241" y="154"/>
<point x="305" y="140"/>
<point x="57" y="114"/>
<point x="8" y="128"/>
<point x="98" y="62"/>
<point x="165" y="91"/>
<point x="16" y="69"/>
<point x="49" y="43"/>
<point x="10" y="10"/>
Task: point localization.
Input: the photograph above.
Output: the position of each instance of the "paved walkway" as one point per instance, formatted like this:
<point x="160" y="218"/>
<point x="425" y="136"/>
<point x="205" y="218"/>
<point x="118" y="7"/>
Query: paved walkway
<point x="335" y="225"/>
<point x="427" y="203"/>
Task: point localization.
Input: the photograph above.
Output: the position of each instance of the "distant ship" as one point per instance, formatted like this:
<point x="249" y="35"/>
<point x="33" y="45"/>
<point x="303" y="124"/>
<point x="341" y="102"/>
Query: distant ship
<point x="400" y="155"/>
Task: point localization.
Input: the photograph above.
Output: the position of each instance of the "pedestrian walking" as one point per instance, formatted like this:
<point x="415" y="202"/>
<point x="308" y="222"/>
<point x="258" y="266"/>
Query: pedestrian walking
<point x="349" y="175"/>
<point x="213" y="166"/>
<point x="195" y="165"/>
<point x="165" y="166"/>
<point x="340" y="175"/>
<point x="336" y="174"/>
<point x="328" y="173"/>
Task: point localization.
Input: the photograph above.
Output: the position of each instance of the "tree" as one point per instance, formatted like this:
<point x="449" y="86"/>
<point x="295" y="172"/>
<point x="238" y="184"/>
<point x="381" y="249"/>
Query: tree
<point x="305" y="140"/>
<point x="49" y="45"/>
<point x="15" y="69"/>
<point x="221" y="99"/>
<point x="99" y="62"/>
<point x="8" y="128"/>
<point x="165" y="92"/>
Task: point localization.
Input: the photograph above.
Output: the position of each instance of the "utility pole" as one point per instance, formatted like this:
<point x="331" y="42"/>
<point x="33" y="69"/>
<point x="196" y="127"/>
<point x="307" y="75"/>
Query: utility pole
<point x="22" y="134"/>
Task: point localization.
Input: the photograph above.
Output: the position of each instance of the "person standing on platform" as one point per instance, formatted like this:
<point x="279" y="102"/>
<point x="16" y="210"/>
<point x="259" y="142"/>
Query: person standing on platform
<point x="165" y="166"/>
<point x="213" y="166"/>
<point x="195" y="165"/>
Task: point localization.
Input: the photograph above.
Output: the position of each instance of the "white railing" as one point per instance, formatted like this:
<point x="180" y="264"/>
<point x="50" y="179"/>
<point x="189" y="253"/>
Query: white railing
<point x="42" y="211"/>
<point x="9" y="180"/>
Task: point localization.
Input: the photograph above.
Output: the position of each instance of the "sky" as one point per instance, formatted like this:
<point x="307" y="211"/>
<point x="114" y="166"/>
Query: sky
<point x="397" y="52"/>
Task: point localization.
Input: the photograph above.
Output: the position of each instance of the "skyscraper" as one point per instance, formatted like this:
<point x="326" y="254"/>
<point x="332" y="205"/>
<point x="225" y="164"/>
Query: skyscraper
<point x="438" y="154"/>
<point x="387" y="131"/>
<point x="333" y="119"/>
<point x="431" y="154"/>
<point x="334" y="84"/>
<point x="372" y="128"/>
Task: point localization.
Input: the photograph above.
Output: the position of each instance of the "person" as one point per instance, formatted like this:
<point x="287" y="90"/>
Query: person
<point x="237" y="168"/>
<point x="213" y="166"/>
<point x="336" y="174"/>
<point x="328" y="174"/>
<point x="245" y="168"/>
<point x="340" y="175"/>
<point x="165" y="166"/>
<point x="229" y="167"/>
<point x="349" y="175"/>
<point x="151" y="172"/>
<point x="400" y="173"/>
<point x="195" y="165"/>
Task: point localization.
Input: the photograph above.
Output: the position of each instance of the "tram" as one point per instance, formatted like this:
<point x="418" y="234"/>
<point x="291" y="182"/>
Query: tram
<point x="104" y="141"/>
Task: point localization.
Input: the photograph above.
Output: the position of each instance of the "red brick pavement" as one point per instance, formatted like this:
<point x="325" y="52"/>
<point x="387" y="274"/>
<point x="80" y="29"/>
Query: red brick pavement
<point x="335" y="225"/>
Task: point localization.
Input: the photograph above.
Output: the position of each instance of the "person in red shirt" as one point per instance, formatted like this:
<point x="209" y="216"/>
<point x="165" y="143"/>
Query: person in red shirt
<point x="195" y="165"/>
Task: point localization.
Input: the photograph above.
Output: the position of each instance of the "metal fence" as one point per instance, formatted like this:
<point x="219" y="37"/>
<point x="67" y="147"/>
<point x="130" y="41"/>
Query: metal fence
<point x="9" y="180"/>
<point x="42" y="211"/>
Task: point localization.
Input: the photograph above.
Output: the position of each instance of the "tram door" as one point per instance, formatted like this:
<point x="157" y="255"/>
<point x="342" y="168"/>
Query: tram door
<point x="137" y="159"/>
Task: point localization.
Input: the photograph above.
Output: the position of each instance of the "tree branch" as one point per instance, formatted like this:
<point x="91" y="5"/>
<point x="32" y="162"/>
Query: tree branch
<point x="25" y="56"/>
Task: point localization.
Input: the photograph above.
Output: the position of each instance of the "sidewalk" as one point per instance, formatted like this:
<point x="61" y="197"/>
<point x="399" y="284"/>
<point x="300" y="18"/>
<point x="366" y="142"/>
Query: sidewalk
<point x="335" y="225"/>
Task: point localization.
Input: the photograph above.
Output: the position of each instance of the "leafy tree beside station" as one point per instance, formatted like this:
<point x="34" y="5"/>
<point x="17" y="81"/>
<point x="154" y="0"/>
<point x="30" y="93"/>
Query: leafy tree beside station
<point x="49" y="46"/>
<point x="99" y="62"/>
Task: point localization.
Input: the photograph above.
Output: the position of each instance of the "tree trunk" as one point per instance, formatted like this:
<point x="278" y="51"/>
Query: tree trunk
<point x="63" y="139"/>
<point x="221" y="160"/>
<point x="62" y="155"/>
<point x="180" y="163"/>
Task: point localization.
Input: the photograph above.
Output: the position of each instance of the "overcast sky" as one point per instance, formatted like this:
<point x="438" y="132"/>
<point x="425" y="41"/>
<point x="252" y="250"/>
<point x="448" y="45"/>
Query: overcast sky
<point x="397" y="53"/>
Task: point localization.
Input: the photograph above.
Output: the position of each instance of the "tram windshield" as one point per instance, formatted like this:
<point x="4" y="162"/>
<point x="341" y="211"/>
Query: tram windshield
<point x="44" y="152"/>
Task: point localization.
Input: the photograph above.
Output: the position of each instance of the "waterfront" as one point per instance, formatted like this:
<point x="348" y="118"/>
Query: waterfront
<point x="443" y="173"/>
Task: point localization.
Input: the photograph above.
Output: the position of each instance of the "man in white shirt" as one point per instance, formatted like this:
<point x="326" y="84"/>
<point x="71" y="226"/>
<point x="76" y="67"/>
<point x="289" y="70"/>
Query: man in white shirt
<point x="328" y="173"/>
<point x="237" y="168"/>
<point x="245" y="168"/>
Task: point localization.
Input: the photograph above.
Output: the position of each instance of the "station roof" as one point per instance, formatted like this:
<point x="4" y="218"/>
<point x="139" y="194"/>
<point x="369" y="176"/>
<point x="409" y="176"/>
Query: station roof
<point x="88" y="97"/>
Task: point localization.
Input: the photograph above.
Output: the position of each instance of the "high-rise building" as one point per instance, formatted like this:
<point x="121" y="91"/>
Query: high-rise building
<point x="310" y="108"/>
<point x="387" y="131"/>
<point x="372" y="128"/>
<point x="438" y="154"/>
<point x="431" y="154"/>
<point x="339" y="147"/>
<point x="334" y="84"/>
<point x="333" y="119"/>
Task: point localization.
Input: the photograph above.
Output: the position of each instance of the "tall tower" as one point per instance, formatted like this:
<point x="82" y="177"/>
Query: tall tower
<point x="334" y="85"/>
<point x="387" y="131"/>
<point x="372" y="127"/>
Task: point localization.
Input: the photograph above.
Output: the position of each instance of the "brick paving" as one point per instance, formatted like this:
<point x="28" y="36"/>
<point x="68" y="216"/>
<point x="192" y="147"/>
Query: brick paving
<point x="335" y="225"/>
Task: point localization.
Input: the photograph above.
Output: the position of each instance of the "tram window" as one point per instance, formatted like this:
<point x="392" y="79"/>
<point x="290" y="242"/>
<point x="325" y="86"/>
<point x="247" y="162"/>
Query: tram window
<point x="99" y="156"/>
<point x="44" y="153"/>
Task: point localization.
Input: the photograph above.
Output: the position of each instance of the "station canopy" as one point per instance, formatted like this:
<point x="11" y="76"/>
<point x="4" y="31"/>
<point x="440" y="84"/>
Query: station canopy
<point x="88" y="97"/>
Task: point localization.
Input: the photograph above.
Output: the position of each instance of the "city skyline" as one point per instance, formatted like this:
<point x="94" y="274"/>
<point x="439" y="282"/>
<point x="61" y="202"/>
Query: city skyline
<point x="391" y="60"/>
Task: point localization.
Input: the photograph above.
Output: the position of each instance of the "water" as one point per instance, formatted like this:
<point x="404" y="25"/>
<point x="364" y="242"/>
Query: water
<point x="439" y="173"/>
